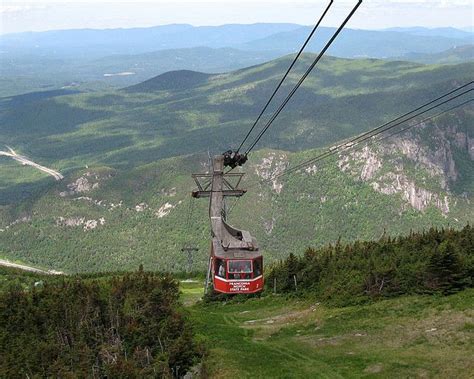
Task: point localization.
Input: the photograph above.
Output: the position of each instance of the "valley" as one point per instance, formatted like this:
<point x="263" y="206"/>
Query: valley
<point x="127" y="157"/>
<point x="350" y="253"/>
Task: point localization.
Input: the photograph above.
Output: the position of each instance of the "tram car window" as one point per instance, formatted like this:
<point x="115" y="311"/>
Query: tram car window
<point x="220" y="268"/>
<point x="241" y="269"/>
<point x="257" y="267"/>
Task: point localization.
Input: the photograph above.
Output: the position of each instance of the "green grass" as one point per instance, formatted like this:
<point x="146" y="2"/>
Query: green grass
<point x="191" y="290"/>
<point x="275" y="337"/>
<point x="286" y="337"/>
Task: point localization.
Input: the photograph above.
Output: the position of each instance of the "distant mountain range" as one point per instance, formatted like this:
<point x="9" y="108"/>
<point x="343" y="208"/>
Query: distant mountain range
<point x="98" y="59"/>
<point x="465" y="33"/>
<point x="93" y="43"/>
<point x="458" y="54"/>
<point x="284" y="38"/>
<point x="354" y="43"/>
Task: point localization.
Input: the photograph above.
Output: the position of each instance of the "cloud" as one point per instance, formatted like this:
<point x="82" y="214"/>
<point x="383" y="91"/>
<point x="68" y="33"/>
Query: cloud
<point x="6" y="9"/>
<point x="15" y="6"/>
<point x="422" y="3"/>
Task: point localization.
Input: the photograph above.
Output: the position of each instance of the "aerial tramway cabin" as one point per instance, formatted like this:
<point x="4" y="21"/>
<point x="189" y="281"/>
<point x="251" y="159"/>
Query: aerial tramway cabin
<point x="236" y="269"/>
<point x="235" y="263"/>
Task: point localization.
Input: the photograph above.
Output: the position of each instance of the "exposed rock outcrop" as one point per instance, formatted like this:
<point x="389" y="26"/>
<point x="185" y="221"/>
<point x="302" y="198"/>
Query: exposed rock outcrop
<point x="80" y="221"/>
<point x="141" y="207"/>
<point x="87" y="182"/>
<point x="271" y="166"/>
<point x="164" y="210"/>
<point x="386" y="166"/>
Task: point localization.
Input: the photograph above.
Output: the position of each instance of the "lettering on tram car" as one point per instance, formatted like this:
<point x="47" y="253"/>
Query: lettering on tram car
<point x="239" y="286"/>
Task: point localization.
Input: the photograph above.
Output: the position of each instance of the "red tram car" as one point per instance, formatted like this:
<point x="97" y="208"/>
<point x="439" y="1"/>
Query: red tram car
<point x="236" y="264"/>
<point x="236" y="271"/>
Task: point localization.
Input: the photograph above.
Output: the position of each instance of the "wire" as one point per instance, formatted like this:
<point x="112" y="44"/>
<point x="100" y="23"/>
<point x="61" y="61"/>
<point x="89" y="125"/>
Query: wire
<point x="286" y="74"/>
<point x="355" y="141"/>
<point x="366" y="136"/>
<point x="302" y="79"/>
<point x="320" y="157"/>
<point x="413" y="111"/>
<point x="425" y="120"/>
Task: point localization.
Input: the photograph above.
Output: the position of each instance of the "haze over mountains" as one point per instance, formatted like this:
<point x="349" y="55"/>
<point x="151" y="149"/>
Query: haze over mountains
<point x="121" y="57"/>
<point x="101" y="132"/>
<point x="92" y="42"/>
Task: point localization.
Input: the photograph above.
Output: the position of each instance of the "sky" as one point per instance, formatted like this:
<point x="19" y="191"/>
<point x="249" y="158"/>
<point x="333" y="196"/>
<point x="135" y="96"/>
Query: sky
<point x="21" y="16"/>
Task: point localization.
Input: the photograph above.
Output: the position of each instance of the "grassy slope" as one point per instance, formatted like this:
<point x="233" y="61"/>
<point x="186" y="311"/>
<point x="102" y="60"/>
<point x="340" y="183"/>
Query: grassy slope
<point x="415" y="336"/>
<point x="278" y="337"/>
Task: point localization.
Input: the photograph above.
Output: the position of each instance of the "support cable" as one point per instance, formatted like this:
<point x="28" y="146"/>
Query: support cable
<point x="356" y="141"/>
<point x="286" y="74"/>
<point x="302" y="79"/>
<point x="361" y="138"/>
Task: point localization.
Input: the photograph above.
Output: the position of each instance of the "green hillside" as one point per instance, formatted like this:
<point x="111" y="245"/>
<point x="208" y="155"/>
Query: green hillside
<point x="129" y="128"/>
<point x="100" y="217"/>
<point x="127" y="157"/>
<point x="419" y="324"/>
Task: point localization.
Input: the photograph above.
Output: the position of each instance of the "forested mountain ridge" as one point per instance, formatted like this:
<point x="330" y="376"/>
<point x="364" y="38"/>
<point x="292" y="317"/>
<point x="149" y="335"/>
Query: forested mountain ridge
<point x="101" y="217"/>
<point x="127" y="157"/>
<point x="128" y="128"/>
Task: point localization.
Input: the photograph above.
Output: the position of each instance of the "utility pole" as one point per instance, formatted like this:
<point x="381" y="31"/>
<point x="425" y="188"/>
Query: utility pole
<point x="190" y="250"/>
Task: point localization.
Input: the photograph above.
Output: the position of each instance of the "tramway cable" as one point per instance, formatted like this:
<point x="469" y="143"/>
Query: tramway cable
<point x="359" y="139"/>
<point x="236" y="261"/>
<point x="303" y="77"/>
<point x="426" y="119"/>
<point x="370" y="134"/>
<point x="316" y="26"/>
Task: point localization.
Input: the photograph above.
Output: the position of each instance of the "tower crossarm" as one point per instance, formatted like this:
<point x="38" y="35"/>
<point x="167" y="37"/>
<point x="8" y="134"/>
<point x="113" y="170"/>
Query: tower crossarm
<point x="216" y="186"/>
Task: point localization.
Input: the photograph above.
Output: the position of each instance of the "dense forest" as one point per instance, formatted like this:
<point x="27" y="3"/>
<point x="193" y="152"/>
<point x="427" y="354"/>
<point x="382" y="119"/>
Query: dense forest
<point x="131" y="325"/>
<point x="128" y="326"/>
<point x="435" y="261"/>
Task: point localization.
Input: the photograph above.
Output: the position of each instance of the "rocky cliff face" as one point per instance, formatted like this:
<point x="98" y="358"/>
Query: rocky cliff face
<point x="419" y="165"/>
<point x="270" y="167"/>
